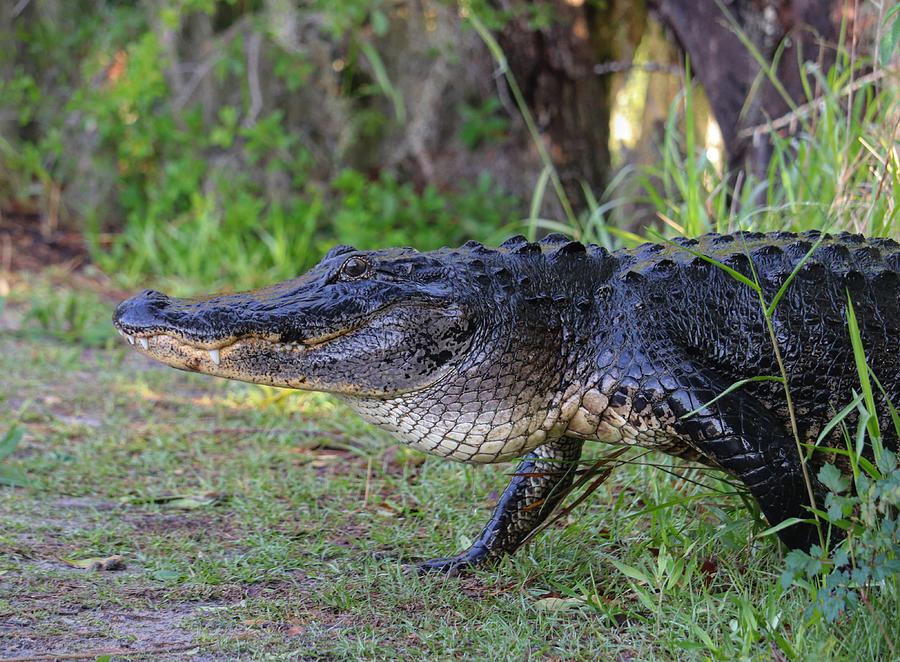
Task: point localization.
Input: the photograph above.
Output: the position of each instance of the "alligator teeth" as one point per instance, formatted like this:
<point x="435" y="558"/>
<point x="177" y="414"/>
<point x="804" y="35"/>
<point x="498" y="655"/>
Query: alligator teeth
<point x="144" y="343"/>
<point x="130" y="338"/>
<point x="121" y="333"/>
<point x="214" y="355"/>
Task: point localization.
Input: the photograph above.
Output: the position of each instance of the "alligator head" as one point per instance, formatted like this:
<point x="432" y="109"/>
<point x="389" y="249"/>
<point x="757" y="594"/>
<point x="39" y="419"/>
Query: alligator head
<point x="363" y="323"/>
<point x="459" y="352"/>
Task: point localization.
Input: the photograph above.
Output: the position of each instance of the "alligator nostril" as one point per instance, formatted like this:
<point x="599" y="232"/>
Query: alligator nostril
<point x="141" y="311"/>
<point x="151" y="294"/>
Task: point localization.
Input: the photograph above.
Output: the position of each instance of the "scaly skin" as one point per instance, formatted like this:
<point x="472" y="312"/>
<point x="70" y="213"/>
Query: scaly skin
<point x="526" y="351"/>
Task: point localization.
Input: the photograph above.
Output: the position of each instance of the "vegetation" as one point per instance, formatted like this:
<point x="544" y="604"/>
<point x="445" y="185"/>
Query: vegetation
<point x="260" y="524"/>
<point x="253" y="186"/>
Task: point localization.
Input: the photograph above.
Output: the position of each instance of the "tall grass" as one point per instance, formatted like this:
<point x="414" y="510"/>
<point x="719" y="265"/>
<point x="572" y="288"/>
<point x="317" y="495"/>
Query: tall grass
<point x="840" y="170"/>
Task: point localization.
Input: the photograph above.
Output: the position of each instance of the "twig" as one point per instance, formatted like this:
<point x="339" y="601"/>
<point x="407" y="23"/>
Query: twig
<point x="807" y="108"/>
<point x="52" y="657"/>
<point x="300" y="432"/>
<point x="5" y="252"/>
<point x="256" y="102"/>
<point x="615" y="67"/>
<point x="20" y="7"/>
<point x="206" y="66"/>
<point x="365" y="503"/>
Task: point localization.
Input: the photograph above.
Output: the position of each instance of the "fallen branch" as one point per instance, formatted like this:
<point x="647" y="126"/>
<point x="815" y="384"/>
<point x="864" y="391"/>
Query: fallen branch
<point x="807" y="108"/>
<point x="121" y="652"/>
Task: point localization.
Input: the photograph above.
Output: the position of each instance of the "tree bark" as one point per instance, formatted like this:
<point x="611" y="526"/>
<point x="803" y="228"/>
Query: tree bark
<point x="554" y="66"/>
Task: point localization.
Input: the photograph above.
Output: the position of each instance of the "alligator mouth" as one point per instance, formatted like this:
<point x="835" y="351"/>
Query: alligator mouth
<point x="206" y="357"/>
<point x="385" y="351"/>
<point x="160" y="340"/>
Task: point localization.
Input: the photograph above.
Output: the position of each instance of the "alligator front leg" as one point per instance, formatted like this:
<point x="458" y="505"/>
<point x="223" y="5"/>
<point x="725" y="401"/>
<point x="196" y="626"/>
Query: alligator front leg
<point x="537" y="486"/>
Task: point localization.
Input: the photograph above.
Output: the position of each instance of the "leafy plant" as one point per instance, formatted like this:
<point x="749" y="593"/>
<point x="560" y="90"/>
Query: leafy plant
<point x="69" y="315"/>
<point x="230" y="195"/>
<point x="11" y="476"/>
<point x="482" y="123"/>
<point x="866" y="562"/>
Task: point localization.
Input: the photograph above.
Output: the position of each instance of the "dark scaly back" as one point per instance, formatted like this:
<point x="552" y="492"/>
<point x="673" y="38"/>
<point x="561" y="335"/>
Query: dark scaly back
<point x="718" y="322"/>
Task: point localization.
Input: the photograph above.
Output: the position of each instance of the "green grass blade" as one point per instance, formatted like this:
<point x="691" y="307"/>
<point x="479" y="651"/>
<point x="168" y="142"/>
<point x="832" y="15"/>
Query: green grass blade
<point x="537" y="199"/>
<point x="862" y="369"/>
<point x="733" y="387"/>
<point x="10" y="440"/>
<point x="789" y="279"/>
<point x="837" y="419"/>
<point x="384" y="81"/>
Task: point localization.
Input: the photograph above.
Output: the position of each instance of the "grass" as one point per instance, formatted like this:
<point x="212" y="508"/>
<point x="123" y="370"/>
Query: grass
<point x="257" y="524"/>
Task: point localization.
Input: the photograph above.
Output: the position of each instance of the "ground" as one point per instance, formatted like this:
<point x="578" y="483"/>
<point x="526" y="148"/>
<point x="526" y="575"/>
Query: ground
<point x="252" y="523"/>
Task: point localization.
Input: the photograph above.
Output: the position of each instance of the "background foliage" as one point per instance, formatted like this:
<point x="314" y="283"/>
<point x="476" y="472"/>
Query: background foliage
<point x="268" y="133"/>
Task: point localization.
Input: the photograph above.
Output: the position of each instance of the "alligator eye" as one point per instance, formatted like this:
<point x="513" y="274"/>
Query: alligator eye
<point x="355" y="267"/>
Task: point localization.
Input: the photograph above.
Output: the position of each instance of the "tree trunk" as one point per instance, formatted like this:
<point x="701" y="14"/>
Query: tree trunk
<point x="554" y="66"/>
<point x="708" y="32"/>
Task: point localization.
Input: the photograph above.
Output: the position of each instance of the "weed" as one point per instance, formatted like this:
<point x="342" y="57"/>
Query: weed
<point x="10" y="475"/>
<point x="78" y="317"/>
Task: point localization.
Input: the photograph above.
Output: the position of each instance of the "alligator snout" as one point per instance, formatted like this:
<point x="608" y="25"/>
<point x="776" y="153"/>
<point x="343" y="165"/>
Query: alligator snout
<point x="206" y="322"/>
<point x="140" y="311"/>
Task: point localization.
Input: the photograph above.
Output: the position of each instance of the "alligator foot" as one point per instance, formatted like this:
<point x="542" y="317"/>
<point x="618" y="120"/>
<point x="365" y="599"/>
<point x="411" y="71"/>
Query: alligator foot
<point x="538" y="484"/>
<point x="451" y="566"/>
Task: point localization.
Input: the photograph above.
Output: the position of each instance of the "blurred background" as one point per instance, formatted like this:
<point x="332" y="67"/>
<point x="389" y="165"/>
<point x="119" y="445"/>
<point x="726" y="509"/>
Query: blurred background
<point x="230" y="143"/>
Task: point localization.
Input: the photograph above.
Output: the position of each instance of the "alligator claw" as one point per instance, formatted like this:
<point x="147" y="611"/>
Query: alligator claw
<point x="476" y="556"/>
<point x="451" y="566"/>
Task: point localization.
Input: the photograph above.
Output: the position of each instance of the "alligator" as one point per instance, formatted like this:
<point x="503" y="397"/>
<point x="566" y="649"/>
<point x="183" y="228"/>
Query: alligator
<point x="528" y="350"/>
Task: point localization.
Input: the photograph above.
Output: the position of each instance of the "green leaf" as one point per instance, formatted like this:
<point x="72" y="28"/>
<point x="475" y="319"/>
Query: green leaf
<point x="10" y="440"/>
<point x="830" y="476"/>
<point x="790" y="521"/>
<point x="558" y="604"/>
<point x="787" y="282"/>
<point x="631" y="572"/>
<point x="12" y="477"/>
<point x="384" y="81"/>
<point x="734" y="274"/>
<point x="183" y="501"/>
<point x="537" y="199"/>
<point x="114" y="562"/>
<point x="840" y="416"/>
<point x="736" y="385"/>
<point x="890" y="37"/>
<point x="862" y="369"/>
<point x="166" y="575"/>
<point x="380" y="22"/>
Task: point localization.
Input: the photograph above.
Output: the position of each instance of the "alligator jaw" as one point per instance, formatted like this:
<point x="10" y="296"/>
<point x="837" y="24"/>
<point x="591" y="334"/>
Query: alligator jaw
<point x="227" y="358"/>
<point x="381" y="335"/>
<point x="386" y="353"/>
<point x="176" y="352"/>
<point x="162" y="341"/>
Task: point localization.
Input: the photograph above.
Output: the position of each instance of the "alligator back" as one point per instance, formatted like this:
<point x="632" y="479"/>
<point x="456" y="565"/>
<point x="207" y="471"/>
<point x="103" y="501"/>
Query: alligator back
<point x="719" y="323"/>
